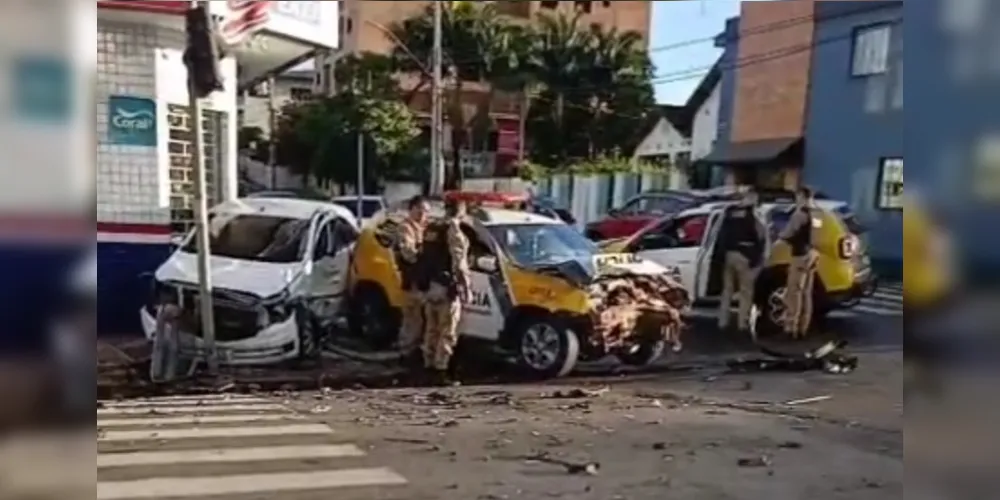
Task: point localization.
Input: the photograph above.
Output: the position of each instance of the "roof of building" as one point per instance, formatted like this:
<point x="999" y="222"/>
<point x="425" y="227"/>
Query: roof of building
<point x="704" y="89"/>
<point x="754" y="152"/>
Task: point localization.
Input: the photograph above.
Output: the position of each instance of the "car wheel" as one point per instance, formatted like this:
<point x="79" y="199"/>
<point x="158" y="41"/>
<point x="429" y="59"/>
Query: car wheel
<point x="643" y="353"/>
<point x="371" y="317"/>
<point x="768" y="316"/>
<point x="309" y="342"/>
<point x="546" y="349"/>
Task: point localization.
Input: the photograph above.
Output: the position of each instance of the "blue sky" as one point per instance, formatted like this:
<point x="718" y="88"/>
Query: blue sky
<point x="679" y="69"/>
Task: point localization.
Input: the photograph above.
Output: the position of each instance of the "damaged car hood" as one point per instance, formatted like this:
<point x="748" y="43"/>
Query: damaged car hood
<point x="263" y="279"/>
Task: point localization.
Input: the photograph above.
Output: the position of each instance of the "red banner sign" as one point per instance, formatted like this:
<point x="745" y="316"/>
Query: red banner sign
<point x="155" y="6"/>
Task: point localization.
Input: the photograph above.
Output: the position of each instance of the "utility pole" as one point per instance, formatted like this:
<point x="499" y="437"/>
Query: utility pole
<point x="361" y="160"/>
<point x="272" y="120"/>
<point x="437" y="155"/>
<point x="201" y="220"/>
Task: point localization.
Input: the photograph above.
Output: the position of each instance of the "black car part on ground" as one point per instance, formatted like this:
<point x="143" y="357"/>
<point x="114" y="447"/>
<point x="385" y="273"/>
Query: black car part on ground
<point x="826" y="358"/>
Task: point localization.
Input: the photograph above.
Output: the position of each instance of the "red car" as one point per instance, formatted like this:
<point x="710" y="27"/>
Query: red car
<point x="641" y="210"/>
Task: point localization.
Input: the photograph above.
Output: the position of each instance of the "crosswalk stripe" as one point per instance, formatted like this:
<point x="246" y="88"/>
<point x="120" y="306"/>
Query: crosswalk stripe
<point x="214" y="432"/>
<point x="145" y="410"/>
<point x="880" y="311"/>
<point x="892" y="297"/>
<point x="187" y="487"/>
<point x="227" y="455"/>
<point x="194" y="420"/>
<point x="187" y="401"/>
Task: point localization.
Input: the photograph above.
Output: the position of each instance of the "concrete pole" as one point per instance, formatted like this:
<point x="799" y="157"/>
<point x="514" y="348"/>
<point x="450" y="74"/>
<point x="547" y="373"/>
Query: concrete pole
<point x="437" y="155"/>
<point x="201" y="225"/>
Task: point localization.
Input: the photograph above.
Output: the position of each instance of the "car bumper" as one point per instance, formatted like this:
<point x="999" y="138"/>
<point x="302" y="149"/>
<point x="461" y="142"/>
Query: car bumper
<point x="865" y="284"/>
<point x="274" y="344"/>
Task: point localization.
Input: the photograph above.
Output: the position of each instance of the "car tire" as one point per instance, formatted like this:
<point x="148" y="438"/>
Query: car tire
<point x="644" y="353"/>
<point x="769" y="291"/>
<point x="309" y="335"/>
<point x="545" y="348"/>
<point x="371" y="317"/>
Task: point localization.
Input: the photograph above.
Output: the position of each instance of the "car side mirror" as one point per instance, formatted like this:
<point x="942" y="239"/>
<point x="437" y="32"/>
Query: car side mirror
<point x="614" y="212"/>
<point x="487" y="263"/>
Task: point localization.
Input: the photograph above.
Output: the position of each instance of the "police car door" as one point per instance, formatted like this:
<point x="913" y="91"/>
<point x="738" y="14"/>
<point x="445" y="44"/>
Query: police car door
<point x="710" y="266"/>
<point x="674" y="244"/>
<point x="483" y="314"/>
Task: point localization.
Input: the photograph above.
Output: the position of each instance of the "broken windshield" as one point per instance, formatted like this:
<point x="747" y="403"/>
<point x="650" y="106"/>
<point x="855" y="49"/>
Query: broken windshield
<point x="255" y="237"/>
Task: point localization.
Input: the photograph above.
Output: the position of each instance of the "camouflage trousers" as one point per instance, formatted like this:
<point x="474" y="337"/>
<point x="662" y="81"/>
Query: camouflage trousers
<point x="412" y="324"/>
<point x="799" y="294"/>
<point x="442" y="314"/>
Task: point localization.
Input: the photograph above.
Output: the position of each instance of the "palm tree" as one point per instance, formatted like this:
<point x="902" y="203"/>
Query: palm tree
<point x="558" y="57"/>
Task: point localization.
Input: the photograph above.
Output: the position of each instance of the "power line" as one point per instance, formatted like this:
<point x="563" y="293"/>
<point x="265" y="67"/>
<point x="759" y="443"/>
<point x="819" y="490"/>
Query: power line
<point x="746" y="62"/>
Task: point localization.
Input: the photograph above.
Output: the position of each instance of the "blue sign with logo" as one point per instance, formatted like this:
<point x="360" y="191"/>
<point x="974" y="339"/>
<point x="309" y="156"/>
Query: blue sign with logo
<point x="43" y="89"/>
<point x="131" y="121"/>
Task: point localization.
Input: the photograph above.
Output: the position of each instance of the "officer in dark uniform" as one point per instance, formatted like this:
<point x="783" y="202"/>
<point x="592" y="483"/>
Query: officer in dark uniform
<point x="743" y="238"/>
<point x="802" y="271"/>
<point x="444" y="280"/>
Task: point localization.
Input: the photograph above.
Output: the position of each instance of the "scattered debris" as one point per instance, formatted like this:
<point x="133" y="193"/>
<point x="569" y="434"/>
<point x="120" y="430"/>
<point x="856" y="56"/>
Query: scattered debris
<point x="790" y="445"/>
<point x="587" y="469"/>
<point x="806" y="401"/>
<point x="580" y="393"/>
<point x="755" y="462"/>
<point x="826" y="358"/>
<point x="659" y="446"/>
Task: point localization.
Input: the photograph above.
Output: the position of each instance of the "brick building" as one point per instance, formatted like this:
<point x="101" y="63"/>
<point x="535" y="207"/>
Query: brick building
<point x="364" y="26"/>
<point x="766" y="61"/>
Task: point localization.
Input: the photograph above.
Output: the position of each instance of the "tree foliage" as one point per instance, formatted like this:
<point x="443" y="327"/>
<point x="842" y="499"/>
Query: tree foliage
<point x="588" y="88"/>
<point x="320" y="137"/>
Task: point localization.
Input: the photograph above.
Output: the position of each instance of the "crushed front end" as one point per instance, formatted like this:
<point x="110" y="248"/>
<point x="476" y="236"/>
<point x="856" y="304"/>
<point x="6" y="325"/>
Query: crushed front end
<point x="630" y="309"/>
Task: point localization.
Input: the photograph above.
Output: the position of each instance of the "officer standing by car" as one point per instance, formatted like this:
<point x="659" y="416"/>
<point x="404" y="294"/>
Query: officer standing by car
<point x="743" y="240"/>
<point x="408" y="250"/>
<point x="802" y="270"/>
<point x="445" y="283"/>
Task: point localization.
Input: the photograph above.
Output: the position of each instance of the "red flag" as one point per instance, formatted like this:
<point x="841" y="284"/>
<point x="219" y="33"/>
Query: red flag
<point x="244" y="18"/>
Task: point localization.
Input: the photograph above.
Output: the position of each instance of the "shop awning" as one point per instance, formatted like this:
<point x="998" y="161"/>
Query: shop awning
<point x="749" y="153"/>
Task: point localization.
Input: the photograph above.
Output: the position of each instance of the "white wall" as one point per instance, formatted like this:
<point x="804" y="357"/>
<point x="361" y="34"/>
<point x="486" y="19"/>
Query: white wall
<point x="664" y="139"/>
<point x="706" y="126"/>
<point x="134" y="183"/>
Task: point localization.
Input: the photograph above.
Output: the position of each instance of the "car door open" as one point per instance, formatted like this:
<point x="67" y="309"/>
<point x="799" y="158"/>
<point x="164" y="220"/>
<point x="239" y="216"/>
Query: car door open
<point x="674" y="244"/>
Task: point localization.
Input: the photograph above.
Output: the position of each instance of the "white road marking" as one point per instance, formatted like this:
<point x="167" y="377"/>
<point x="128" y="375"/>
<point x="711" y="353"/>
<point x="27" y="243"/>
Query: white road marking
<point x="182" y="401"/>
<point x="214" y="432"/>
<point x="878" y="311"/>
<point x="187" y="487"/>
<point x="146" y="410"/>
<point x="227" y="455"/>
<point x="195" y="420"/>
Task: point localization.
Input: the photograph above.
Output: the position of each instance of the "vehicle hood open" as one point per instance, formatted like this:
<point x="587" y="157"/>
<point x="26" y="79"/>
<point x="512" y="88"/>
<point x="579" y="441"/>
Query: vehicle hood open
<point x="263" y="279"/>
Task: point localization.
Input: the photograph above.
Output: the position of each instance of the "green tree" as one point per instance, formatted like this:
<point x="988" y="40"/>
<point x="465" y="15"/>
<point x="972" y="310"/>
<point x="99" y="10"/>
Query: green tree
<point x="320" y="137"/>
<point x="475" y="45"/>
<point x="596" y="106"/>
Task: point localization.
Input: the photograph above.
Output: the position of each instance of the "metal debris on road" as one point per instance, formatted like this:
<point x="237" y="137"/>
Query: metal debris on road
<point x="806" y="401"/>
<point x="755" y="462"/>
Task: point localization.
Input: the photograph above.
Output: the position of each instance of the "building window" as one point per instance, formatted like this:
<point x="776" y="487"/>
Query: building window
<point x="584" y="7"/>
<point x="890" y="184"/>
<point x="550" y="5"/>
<point x="350" y="25"/>
<point x="871" y="50"/>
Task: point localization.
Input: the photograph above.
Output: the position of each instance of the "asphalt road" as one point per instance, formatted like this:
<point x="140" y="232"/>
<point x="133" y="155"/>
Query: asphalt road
<point x="698" y="434"/>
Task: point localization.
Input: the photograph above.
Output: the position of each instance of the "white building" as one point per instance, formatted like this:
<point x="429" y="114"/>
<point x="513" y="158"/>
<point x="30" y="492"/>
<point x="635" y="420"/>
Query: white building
<point x="144" y="179"/>
<point x="668" y="143"/>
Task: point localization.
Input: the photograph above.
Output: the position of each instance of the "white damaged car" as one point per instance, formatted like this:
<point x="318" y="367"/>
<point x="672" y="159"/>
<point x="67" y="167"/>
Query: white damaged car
<point x="278" y="273"/>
